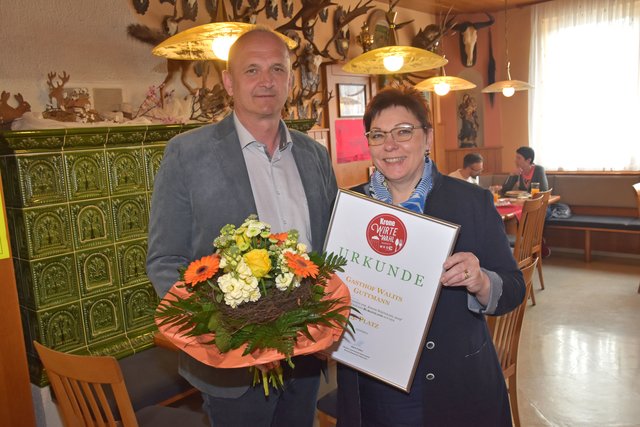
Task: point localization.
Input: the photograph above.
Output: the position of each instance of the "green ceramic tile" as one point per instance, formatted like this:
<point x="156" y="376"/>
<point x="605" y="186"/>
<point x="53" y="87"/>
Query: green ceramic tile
<point x="34" y="139"/>
<point x="11" y="182"/>
<point x="15" y="223"/>
<point x="91" y="223"/>
<point x="78" y="223"/>
<point x="53" y="281"/>
<point x="85" y="137"/>
<point x="41" y="179"/>
<point x="129" y="135"/>
<point x="152" y="159"/>
<point x="139" y="303"/>
<point x="60" y="327"/>
<point x="149" y="198"/>
<point x="125" y="170"/>
<point x="118" y="347"/>
<point x="142" y="339"/>
<point x="131" y="262"/>
<point x="8" y="187"/>
<point x="161" y="133"/>
<point x="86" y="174"/>
<point x="130" y="216"/>
<point x="97" y="270"/>
<point x="102" y="316"/>
<point x="48" y="231"/>
<point x="23" y="286"/>
<point x="37" y="375"/>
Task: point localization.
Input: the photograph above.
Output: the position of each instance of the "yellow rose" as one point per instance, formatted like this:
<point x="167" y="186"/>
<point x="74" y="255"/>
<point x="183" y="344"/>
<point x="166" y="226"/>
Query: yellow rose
<point x="258" y="261"/>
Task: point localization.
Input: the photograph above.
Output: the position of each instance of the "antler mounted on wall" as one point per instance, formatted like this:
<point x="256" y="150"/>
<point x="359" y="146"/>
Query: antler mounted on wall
<point x="300" y="25"/>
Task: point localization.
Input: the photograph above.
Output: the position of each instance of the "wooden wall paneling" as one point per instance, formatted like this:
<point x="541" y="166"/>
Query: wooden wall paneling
<point x="492" y="158"/>
<point x="16" y="406"/>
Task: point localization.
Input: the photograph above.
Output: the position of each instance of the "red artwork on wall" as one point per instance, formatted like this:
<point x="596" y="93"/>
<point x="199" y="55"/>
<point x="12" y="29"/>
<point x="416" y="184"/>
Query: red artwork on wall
<point x="351" y="144"/>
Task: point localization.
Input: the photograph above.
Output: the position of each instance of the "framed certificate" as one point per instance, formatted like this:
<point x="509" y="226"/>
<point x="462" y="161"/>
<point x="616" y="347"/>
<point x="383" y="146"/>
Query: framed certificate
<point x="395" y="259"/>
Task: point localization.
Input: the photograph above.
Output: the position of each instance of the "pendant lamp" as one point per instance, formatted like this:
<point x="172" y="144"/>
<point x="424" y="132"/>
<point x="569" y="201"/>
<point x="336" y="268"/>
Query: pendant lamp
<point x="507" y="87"/>
<point x="208" y="41"/>
<point x="443" y="84"/>
<point x="394" y="59"/>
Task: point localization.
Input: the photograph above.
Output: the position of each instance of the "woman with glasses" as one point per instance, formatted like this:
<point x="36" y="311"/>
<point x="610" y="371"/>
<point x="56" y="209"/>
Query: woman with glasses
<point x="458" y="380"/>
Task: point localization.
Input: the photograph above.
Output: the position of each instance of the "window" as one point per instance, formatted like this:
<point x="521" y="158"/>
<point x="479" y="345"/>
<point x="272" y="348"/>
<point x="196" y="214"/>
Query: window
<point x="585" y="66"/>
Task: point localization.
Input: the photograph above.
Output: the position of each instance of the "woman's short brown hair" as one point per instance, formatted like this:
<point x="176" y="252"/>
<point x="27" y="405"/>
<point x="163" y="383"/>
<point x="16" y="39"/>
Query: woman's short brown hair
<point x="403" y="96"/>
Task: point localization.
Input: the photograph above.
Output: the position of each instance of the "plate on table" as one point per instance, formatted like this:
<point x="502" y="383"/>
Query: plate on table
<point x="518" y="194"/>
<point x="503" y="202"/>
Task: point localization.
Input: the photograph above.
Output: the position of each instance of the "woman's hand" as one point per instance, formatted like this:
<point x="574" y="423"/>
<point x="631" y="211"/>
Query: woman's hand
<point x="463" y="269"/>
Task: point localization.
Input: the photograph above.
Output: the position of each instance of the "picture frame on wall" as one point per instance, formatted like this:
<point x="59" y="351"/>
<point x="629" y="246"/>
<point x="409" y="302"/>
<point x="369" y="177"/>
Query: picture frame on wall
<point x="352" y="99"/>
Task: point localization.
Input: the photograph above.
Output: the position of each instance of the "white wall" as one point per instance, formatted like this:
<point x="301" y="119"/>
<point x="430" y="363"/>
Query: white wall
<point x="88" y="39"/>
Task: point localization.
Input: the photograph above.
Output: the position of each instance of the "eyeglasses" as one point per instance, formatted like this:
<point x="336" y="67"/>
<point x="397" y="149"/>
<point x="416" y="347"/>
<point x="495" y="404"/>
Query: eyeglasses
<point x="402" y="133"/>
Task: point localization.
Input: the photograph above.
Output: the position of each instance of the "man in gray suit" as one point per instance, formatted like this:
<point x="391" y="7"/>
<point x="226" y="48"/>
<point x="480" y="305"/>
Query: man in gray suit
<point x="219" y="174"/>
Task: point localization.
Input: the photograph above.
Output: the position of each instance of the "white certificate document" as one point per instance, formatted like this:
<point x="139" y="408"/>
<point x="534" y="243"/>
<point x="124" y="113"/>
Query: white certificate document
<point x="394" y="263"/>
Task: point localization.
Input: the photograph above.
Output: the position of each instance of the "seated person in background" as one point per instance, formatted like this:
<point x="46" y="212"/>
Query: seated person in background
<point x="525" y="173"/>
<point x="472" y="166"/>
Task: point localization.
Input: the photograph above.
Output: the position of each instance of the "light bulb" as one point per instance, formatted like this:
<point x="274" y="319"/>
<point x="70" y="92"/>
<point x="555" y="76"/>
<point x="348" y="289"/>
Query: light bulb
<point x="221" y="45"/>
<point x="393" y="62"/>
<point x="442" y="88"/>
<point x="508" y="91"/>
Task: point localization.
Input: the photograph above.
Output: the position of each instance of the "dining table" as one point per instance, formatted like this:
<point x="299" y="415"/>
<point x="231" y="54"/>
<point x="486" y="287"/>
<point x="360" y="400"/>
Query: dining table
<point x="510" y="211"/>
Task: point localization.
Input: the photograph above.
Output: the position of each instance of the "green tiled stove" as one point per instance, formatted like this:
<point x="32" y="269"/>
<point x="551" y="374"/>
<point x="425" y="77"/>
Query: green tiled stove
<point x="78" y="205"/>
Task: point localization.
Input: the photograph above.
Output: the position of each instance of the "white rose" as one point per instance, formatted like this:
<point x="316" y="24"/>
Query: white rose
<point x="283" y="281"/>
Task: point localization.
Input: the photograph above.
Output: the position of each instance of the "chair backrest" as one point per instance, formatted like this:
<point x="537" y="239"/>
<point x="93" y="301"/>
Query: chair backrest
<point x="636" y="187"/>
<point x="79" y="383"/>
<point x="524" y="244"/>
<point x="505" y="329"/>
<point x="539" y="228"/>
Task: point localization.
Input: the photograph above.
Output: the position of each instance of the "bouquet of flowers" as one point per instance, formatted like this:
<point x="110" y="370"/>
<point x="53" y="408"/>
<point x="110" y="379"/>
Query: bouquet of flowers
<point x="259" y="298"/>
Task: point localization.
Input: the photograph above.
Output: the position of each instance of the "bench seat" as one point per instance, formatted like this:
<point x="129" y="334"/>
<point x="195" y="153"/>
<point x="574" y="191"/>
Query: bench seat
<point x="596" y="221"/>
<point x="589" y="223"/>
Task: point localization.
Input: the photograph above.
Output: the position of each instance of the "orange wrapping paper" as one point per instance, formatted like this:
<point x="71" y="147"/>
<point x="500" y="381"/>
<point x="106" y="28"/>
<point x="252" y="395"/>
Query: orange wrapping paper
<point x="209" y="354"/>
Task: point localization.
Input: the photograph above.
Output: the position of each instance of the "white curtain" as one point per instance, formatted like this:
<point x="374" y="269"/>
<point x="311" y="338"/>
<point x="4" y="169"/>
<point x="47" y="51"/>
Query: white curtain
<point x="585" y="66"/>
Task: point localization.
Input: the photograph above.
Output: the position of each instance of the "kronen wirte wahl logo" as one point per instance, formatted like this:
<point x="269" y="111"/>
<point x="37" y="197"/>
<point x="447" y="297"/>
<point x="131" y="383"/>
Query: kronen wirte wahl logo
<point x="386" y="234"/>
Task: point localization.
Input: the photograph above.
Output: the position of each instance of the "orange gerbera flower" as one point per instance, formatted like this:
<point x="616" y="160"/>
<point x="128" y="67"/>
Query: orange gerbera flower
<point x="279" y="237"/>
<point x="300" y="266"/>
<point x="202" y="269"/>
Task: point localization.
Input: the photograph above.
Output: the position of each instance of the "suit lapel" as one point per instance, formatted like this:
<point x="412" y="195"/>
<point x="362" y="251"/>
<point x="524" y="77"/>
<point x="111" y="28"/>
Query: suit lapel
<point x="307" y="164"/>
<point x="227" y="145"/>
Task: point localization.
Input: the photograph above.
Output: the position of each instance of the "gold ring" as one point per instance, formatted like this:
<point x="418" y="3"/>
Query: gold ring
<point x="466" y="274"/>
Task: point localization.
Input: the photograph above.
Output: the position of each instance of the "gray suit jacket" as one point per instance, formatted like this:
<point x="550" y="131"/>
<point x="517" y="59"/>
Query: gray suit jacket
<point x="203" y="184"/>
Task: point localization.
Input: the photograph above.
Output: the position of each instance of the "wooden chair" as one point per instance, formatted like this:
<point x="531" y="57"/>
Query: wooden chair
<point x="505" y="333"/>
<point x="636" y="187"/>
<point x="537" y="236"/>
<point x="83" y="386"/>
<point x="526" y="233"/>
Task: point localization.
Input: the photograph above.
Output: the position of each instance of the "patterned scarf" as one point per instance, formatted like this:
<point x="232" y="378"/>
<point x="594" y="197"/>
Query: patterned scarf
<point x="379" y="191"/>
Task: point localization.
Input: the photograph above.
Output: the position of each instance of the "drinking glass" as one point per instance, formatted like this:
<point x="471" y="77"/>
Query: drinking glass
<point x="535" y="188"/>
<point x="495" y="190"/>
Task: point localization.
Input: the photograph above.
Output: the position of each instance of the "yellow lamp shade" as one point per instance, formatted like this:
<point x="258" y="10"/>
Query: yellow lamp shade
<point x="196" y="43"/>
<point x="455" y="83"/>
<point x="413" y="60"/>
